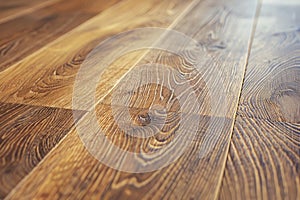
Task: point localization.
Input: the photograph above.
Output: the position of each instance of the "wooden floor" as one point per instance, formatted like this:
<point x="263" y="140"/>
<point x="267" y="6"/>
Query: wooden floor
<point x="251" y="47"/>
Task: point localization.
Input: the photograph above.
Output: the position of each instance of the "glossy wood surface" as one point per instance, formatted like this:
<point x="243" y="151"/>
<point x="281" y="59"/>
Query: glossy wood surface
<point x="264" y="156"/>
<point x="234" y="88"/>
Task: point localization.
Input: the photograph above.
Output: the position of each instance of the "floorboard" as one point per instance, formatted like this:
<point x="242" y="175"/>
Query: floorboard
<point x="222" y="56"/>
<point x="263" y="162"/>
<point x="271" y="89"/>
<point x="27" y="134"/>
<point x="205" y="107"/>
<point x="52" y="69"/>
<point x="40" y="27"/>
<point x="79" y="175"/>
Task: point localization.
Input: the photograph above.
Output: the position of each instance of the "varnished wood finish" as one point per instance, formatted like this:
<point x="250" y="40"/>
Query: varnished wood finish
<point x="31" y="32"/>
<point x="190" y="176"/>
<point x="77" y="174"/>
<point x="27" y="134"/>
<point x="53" y="69"/>
<point x="264" y="156"/>
<point x="244" y="118"/>
<point x="271" y="89"/>
<point x="226" y="58"/>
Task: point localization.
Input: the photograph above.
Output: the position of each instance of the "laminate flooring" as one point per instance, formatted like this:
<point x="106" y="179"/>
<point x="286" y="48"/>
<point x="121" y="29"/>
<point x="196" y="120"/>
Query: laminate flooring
<point x="127" y="99"/>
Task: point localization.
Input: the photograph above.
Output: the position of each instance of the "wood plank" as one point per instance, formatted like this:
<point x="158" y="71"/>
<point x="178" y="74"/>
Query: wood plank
<point x="263" y="162"/>
<point x="79" y="175"/>
<point x="27" y="134"/>
<point x="16" y="8"/>
<point x="221" y="56"/>
<point x="26" y="34"/>
<point x="271" y="89"/>
<point x="53" y="68"/>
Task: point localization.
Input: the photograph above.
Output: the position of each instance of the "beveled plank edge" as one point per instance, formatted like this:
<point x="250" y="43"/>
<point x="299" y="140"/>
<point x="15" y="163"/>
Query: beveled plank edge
<point x="251" y="39"/>
<point x="28" y="10"/>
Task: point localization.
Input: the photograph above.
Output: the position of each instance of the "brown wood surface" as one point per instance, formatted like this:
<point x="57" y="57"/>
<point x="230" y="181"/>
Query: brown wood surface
<point x="78" y="174"/>
<point x="271" y="89"/>
<point x="27" y="134"/>
<point x="26" y="34"/>
<point x="52" y="70"/>
<point x="263" y="161"/>
<point x="232" y="95"/>
<point x="264" y="156"/>
<point x="221" y="54"/>
<point x="13" y="9"/>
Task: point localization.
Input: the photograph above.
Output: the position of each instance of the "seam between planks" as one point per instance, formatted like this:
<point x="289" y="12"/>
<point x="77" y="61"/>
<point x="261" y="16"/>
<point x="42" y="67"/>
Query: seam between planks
<point x="188" y="8"/>
<point x="253" y="30"/>
<point x="28" y="10"/>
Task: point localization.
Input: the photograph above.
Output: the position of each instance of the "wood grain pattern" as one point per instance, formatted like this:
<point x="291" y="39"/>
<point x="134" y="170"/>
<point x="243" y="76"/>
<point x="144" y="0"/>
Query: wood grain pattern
<point x="79" y="175"/>
<point x="24" y="35"/>
<point x="13" y="9"/>
<point x="150" y="90"/>
<point x="27" y="134"/>
<point x="272" y="82"/>
<point x="221" y="52"/>
<point x="263" y="162"/>
<point x="247" y="65"/>
<point x="53" y="68"/>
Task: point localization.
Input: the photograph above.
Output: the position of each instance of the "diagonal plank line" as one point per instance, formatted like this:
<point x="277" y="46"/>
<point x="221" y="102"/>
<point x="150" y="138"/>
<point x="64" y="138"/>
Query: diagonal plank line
<point x="255" y="21"/>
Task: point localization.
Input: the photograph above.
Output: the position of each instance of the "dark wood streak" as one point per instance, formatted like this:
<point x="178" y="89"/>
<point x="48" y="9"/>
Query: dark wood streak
<point x="27" y="134"/>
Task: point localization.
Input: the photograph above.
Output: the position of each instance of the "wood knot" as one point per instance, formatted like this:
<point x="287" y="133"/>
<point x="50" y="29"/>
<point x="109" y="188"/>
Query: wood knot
<point x="144" y="119"/>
